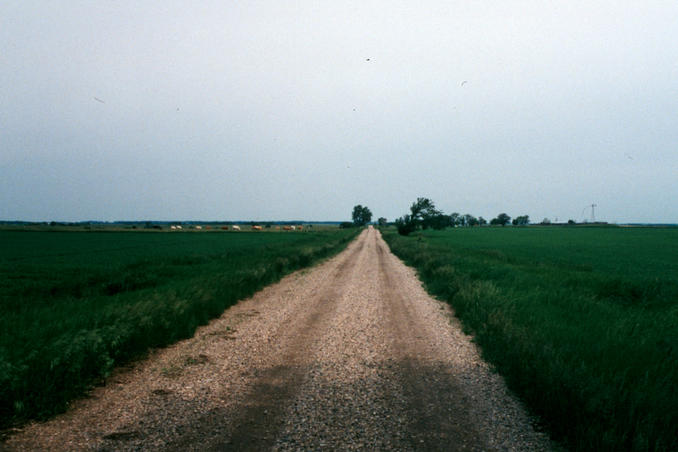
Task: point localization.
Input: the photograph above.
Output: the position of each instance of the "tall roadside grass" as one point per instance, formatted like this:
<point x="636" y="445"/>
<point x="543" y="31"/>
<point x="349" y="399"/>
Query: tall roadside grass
<point x="582" y="325"/>
<point x="75" y="304"/>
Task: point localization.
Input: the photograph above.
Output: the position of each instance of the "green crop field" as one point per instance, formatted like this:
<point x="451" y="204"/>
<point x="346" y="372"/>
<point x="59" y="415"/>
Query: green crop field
<point x="582" y="322"/>
<point x="74" y="304"/>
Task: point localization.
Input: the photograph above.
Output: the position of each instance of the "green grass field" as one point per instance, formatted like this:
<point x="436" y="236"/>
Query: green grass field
<point x="582" y="322"/>
<point x="75" y="304"/>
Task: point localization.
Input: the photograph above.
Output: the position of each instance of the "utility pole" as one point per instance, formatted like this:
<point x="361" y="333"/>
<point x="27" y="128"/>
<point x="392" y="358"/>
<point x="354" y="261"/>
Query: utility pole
<point x="593" y="213"/>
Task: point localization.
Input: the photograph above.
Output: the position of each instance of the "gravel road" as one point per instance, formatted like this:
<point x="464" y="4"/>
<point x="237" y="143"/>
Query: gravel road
<point x="350" y="355"/>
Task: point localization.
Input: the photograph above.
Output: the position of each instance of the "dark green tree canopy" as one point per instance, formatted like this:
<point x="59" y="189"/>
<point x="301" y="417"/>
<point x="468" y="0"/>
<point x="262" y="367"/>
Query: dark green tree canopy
<point x="405" y="225"/>
<point x="423" y="213"/>
<point x="423" y="208"/>
<point x="522" y="220"/>
<point x="502" y="219"/>
<point x="361" y="215"/>
<point x="470" y="220"/>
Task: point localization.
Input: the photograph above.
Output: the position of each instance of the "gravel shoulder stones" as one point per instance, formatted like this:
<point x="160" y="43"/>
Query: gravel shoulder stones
<point x="350" y="355"/>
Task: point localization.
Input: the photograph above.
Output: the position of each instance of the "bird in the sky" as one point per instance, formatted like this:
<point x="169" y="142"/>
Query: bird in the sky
<point x="367" y="59"/>
<point x="628" y="156"/>
<point x="464" y="82"/>
<point x="99" y="100"/>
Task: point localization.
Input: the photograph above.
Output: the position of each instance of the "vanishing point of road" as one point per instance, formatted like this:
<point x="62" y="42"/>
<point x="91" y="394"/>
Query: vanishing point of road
<point x="349" y="355"/>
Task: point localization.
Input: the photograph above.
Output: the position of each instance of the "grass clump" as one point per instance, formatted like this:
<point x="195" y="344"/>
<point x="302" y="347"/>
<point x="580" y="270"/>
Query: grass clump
<point x="583" y="324"/>
<point x="75" y="304"/>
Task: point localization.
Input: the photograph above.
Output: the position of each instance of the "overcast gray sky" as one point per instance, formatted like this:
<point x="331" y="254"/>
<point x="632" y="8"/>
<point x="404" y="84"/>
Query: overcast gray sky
<point x="301" y="109"/>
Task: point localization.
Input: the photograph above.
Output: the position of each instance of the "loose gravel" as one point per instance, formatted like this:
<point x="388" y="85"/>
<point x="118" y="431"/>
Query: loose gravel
<point x="350" y="355"/>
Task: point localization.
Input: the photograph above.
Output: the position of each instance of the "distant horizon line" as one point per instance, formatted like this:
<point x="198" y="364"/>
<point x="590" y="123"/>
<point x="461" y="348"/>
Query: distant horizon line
<point x="241" y="221"/>
<point x="166" y="221"/>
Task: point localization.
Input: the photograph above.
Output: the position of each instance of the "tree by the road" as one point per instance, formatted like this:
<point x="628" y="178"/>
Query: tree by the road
<point x="361" y="215"/>
<point x="423" y="213"/>
<point x="405" y="225"/>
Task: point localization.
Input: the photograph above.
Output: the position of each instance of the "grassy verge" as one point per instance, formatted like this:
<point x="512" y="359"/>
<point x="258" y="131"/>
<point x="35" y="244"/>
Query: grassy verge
<point x="583" y="324"/>
<point x="75" y="304"/>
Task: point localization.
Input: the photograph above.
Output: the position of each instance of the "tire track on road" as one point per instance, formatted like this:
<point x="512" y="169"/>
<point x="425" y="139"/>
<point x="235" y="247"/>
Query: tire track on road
<point x="438" y="417"/>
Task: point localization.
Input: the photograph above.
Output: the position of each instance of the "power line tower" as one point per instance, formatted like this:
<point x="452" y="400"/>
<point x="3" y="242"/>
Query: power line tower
<point x="593" y="212"/>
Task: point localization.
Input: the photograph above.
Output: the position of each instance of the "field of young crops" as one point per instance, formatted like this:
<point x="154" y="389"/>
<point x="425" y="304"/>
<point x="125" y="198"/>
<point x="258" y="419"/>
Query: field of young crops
<point x="582" y="322"/>
<point x="74" y="304"/>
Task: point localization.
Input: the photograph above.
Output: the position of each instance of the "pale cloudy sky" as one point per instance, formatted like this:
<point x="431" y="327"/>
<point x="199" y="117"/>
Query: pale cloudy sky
<point x="116" y="109"/>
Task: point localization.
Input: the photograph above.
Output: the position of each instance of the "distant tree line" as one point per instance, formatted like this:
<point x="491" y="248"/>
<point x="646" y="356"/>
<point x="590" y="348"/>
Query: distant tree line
<point x="424" y="215"/>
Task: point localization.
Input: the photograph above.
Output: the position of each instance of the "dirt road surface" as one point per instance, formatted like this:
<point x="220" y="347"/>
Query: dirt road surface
<point x="350" y="355"/>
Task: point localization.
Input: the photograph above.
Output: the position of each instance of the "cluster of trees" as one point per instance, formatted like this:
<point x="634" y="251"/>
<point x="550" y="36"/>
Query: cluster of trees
<point x="423" y="214"/>
<point x="522" y="220"/>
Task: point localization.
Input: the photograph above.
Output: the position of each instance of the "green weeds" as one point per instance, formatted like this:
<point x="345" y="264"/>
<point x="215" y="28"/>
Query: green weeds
<point x="582" y="324"/>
